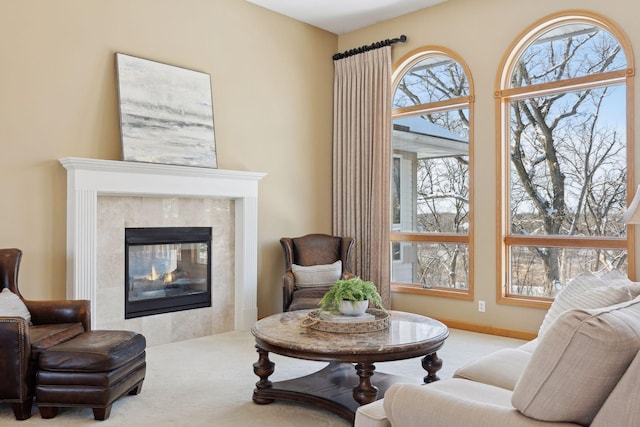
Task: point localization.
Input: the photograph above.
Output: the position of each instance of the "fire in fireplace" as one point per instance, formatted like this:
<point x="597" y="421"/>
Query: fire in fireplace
<point x="166" y="269"/>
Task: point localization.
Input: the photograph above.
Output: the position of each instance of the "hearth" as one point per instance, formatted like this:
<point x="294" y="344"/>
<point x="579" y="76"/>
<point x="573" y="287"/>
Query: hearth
<point x="167" y="269"/>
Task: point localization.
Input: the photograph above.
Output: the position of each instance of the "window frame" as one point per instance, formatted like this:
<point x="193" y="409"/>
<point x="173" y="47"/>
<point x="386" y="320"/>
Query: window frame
<point x="504" y="94"/>
<point x="400" y="68"/>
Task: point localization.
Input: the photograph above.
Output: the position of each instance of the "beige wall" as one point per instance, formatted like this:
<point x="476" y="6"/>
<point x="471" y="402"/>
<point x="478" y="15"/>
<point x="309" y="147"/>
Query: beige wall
<point x="272" y="93"/>
<point x="481" y="32"/>
<point x="272" y="83"/>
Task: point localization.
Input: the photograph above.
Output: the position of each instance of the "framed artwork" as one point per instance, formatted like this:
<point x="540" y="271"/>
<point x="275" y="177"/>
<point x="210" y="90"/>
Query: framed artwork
<point x="166" y="113"/>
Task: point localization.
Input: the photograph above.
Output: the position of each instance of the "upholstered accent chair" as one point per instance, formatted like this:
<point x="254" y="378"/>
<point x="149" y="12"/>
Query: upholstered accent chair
<point x="313" y="263"/>
<point x="26" y="329"/>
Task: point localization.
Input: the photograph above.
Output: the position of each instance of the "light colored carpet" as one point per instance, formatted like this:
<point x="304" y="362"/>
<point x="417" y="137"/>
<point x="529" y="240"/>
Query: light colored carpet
<point x="209" y="381"/>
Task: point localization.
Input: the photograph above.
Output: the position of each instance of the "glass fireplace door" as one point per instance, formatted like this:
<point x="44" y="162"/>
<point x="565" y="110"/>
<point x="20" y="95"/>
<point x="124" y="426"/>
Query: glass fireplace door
<point x="167" y="269"/>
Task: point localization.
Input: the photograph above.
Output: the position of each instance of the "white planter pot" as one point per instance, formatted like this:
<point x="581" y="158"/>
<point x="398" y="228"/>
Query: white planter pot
<point x="353" y="308"/>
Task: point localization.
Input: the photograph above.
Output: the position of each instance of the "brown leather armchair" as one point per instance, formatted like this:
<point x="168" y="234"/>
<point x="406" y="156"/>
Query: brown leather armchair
<point x="53" y="322"/>
<point x="312" y="249"/>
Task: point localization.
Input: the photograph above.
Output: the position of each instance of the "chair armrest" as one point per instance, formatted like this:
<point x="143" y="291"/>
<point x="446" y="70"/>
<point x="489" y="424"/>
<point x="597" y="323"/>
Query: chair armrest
<point x="288" y="285"/>
<point x="60" y="311"/>
<point x="15" y="355"/>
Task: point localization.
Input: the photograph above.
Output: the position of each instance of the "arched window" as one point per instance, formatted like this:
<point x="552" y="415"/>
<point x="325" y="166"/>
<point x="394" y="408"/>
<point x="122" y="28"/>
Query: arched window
<point x="431" y="179"/>
<point x="565" y="144"/>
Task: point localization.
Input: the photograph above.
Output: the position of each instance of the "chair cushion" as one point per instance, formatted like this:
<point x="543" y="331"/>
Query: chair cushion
<point x="316" y="275"/>
<point x="307" y="298"/>
<point x="578" y="362"/>
<point x="590" y="291"/>
<point x="45" y="336"/>
<point x="11" y="305"/>
<point x="94" y="351"/>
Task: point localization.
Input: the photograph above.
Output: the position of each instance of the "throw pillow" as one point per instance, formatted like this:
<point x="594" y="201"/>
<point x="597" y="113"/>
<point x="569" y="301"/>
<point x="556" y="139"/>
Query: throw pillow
<point x="12" y="305"/>
<point x="587" y="291"/>
<point x="616" y="277"/>
<point x="316" y="275"/>
<point x="578" y="362"/>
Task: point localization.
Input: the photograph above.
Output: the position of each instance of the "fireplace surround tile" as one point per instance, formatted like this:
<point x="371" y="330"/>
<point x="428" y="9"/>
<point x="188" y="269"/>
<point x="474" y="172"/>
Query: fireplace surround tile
<point x="114" y="213"/>
<point x="191" y="324"/>
<point x="156" y="328"/>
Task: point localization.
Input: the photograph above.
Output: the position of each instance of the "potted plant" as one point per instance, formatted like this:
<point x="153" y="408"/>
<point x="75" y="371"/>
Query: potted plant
<point x="351" y="296"/>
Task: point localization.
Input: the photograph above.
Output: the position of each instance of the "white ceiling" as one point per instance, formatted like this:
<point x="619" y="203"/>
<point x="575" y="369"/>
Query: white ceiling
<point x="342" y="16"/>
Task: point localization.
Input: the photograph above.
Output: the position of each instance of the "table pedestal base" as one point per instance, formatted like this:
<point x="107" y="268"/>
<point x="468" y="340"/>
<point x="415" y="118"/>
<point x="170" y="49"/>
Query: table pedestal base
<point x="338" y="388"/>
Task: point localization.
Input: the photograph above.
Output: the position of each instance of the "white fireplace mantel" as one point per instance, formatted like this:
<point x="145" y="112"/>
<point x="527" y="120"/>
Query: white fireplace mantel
<point x="89" y="178"/>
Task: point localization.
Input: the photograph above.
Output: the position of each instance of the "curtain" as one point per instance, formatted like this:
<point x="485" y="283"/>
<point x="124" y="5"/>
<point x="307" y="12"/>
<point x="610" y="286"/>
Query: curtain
<point x="362" y="161"/>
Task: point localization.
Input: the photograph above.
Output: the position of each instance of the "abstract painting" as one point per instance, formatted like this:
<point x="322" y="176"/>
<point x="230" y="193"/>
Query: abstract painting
<point x="166" y="113"/>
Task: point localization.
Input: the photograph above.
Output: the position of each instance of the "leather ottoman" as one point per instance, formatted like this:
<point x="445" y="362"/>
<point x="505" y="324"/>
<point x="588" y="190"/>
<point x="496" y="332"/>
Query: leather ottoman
<point x="93" y="369"/>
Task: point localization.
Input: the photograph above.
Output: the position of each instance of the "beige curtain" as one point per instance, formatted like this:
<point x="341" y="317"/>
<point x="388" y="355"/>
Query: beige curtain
<point x="361" y="161"/>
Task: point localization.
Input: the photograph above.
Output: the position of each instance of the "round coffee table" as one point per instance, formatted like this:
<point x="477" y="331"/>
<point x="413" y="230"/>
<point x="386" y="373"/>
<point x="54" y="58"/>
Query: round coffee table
<point x="341" y="387"/>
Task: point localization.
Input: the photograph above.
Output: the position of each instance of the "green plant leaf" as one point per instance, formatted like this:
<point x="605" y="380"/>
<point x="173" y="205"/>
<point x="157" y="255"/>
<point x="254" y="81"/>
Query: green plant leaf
<point x="353" y="289"/>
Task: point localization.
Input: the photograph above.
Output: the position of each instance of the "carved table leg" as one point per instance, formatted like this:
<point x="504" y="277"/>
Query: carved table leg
<point x="263" y="368"/>
<point x="432" y="364"/>
<point x="365" y="392"/>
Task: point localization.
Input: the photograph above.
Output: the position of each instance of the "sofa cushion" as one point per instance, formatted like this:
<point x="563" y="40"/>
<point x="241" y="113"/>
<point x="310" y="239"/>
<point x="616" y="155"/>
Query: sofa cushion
<point x="45" y="336"/>
<point x="578" y="362"/>
<point x="11" y="305"/>
<point x="501" y="368"/>
<point x="589" y="291"/>
<point x="620" y="409"/>
<point x="529" y="346"/>
<point x="316" y="275"/>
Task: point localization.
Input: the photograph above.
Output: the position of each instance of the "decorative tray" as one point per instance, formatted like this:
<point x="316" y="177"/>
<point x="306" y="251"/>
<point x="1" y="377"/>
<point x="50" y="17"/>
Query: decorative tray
<point x="348" y="324"/>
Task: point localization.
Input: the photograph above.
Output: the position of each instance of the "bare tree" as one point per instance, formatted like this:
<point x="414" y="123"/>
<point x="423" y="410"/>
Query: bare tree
<point x="443" y="198"/>
<point x="568" y="173"/>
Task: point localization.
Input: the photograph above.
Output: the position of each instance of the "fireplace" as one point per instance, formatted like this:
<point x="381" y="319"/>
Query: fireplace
<point x="104" y="197"/>
<point x="167" y="269"/>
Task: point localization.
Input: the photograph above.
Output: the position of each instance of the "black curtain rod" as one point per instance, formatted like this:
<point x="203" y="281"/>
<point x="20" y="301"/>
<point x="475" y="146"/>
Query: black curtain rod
<point x="377" y="45"/>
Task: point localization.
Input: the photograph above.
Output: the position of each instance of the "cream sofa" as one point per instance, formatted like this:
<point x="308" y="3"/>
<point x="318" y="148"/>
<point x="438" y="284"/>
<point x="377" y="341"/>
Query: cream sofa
<point x="582" y="370"/>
